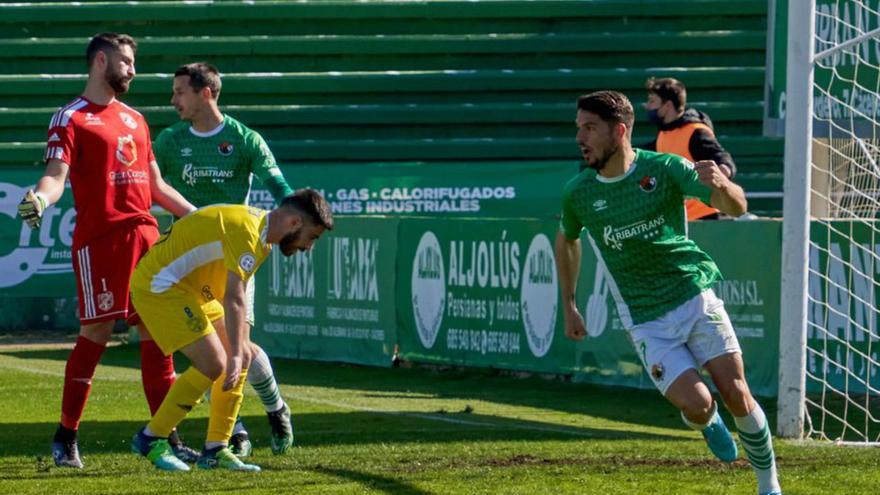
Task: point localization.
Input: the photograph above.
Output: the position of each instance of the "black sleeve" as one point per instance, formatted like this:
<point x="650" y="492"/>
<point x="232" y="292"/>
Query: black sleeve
<point x="704" y="146"/>
<point x="652" y="146"/>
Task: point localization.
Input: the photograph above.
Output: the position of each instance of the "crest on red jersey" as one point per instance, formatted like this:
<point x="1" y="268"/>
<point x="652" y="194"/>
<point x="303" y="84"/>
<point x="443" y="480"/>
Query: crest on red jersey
<point x="126" y="150"/>
<point x="128" y="120"/>
<point x="105" y="301"/>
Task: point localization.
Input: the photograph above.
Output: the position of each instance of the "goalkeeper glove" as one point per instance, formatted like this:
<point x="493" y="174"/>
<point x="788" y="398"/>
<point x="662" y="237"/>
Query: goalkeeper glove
<point x="31" y="208"/>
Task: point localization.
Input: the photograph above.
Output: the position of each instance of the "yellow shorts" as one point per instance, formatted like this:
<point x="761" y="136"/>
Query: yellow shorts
<point x="175" y="318"/>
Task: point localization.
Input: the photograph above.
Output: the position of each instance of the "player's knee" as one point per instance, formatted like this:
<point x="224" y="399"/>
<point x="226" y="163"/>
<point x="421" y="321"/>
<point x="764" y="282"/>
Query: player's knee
<point x="212" y="366"/>
<point x="696" y="406"/>
<point x="99" y="333"/>
<point x="737" y="397"/>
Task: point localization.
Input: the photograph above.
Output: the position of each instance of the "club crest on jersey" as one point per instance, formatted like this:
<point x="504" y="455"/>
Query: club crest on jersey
<point x="128" y="120"/>
<point x="225" y="148"/>
<point x="247" y="262"/>
<point x="648" y="183"/>
<point x="126" y="150"/>
<point x="105" y="301"/>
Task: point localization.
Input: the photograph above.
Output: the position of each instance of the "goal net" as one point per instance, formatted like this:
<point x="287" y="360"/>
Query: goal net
<point x="841" y="365"/>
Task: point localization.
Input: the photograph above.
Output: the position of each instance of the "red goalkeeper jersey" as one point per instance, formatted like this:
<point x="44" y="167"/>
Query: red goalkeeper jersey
<point x="108" y="149"/>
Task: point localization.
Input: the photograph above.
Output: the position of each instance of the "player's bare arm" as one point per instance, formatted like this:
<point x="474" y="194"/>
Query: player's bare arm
<point x="568" y="264"/>
<point x="48" y="191"/>
<point x="166" y="196"/>
<point x="726" y="196"/>
<point x="236" y="329"/>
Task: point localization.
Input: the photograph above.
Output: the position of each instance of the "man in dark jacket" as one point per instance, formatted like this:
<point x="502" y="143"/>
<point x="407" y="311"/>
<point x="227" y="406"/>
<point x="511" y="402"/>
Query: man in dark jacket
<point x="685" y="132"/>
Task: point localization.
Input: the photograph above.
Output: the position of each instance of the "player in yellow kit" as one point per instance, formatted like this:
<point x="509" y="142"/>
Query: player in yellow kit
<point x="204" y="258"/>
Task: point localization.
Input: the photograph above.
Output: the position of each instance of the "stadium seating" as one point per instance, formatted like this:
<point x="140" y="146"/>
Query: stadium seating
<point x="346" y="80"/>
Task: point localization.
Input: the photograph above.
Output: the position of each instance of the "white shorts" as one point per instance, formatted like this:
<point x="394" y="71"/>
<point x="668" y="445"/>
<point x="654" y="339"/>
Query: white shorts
<point x="684" y="338"/>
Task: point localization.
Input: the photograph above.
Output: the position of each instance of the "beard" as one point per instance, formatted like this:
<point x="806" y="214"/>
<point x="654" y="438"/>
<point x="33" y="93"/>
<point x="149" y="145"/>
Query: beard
<point x="288" y="243"/>
<point x="607" y="153"/>
<point x="117" y="81"/>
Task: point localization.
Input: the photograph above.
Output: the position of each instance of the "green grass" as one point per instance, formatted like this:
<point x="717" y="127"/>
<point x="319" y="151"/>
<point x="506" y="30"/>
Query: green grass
<point x="399" y="431"/>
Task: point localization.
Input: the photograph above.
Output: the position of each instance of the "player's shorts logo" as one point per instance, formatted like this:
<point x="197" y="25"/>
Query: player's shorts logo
<point x="428" y="289"/>
<point x="247" y="262"/>
<point x="105" y="301"/>
<point x="128" y="120"/>
<point x="648" y="184"/>
<point x="225" y="148"/>
<point x="126" y="150"/>
<point x="657" y="372"/>
<point x="538" y="299"/>
<point x="194" y="323"/>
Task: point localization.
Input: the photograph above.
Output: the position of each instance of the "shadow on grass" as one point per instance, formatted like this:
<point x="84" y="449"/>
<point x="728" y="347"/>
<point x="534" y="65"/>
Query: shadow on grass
<point x="644" y="407"/>
<point x="372" y="481"/>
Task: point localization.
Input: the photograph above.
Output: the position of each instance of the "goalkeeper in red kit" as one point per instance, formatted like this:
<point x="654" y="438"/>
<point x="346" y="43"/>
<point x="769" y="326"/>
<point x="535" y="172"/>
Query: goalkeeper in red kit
<point x="103" y="147"/>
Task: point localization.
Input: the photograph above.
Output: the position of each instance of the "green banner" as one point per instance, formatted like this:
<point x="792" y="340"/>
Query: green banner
<point x="842" y="337"/>
<point x="748" y="254"/>
<point x="848" y="78"/>
<point x="481" y="293"/>
<point x="336" y="302"/>
<point x="447" y="189"/>
<point x="37" y="288"/>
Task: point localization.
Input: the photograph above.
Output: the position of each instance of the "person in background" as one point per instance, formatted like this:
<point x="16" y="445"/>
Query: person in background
<point x="684" y="132"/>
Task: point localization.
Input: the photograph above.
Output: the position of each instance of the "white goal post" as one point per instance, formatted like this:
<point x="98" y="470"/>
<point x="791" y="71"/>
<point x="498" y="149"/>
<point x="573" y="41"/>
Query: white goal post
<point x="829" y="363"/>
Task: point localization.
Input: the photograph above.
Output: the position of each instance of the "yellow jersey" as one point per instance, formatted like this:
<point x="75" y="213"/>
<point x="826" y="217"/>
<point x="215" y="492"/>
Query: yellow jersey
<point x="195" y="254"/>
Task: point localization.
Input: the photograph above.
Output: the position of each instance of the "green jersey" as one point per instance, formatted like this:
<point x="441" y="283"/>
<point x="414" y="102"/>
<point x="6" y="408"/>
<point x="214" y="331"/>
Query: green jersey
<point x="217" y="166"/>
<point x="638" y="229"/>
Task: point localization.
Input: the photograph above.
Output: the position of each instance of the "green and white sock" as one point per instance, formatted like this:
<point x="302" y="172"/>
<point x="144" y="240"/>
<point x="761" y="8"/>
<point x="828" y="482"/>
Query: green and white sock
<point x="261" y="377"/>
<point x="754" y="433"/>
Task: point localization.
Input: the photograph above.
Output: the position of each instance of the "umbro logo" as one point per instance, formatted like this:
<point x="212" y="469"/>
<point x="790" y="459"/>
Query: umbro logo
<point x="186" y="151"/>
<point x="600" y="204"/>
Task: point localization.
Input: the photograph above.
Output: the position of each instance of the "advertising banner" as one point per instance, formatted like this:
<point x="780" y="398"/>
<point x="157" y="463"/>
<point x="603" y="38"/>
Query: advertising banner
<point x="336" y="302"/>
<point x="449" y="189"/>
<point x="846" y="77"/>
<point x="37" y="288"/>
<point x="481" y="293"/>
<point x="748" y="255"/>
<point x="842" y="307"/>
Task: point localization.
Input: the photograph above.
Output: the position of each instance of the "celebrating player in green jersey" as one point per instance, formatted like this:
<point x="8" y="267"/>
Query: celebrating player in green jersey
<point x="631" y="202"/>
<point x="211" y="158"/>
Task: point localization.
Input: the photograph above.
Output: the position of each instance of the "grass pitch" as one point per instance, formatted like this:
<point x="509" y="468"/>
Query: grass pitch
<point x="399" y="431"/>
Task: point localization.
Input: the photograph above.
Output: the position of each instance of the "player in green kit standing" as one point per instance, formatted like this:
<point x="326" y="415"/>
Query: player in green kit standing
<point x="630" y="202"/>
<point x="211" y="158"/>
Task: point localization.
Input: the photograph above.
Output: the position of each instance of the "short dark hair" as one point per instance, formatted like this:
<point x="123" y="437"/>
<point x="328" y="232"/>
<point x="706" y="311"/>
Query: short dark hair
<point x="610" y="106"/>
<point x="107" y="43"/>
<point x="668" y="89"/>
<point x="310" y="204"/>
<point x="201" y="75"/>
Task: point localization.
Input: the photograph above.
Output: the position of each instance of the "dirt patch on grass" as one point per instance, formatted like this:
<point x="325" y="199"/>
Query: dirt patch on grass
<point x="611" y="463"/>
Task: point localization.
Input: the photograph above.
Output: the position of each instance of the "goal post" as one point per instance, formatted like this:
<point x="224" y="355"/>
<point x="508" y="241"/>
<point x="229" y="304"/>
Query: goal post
<point x="829" y="363"/>
<point x="796" y="220"/>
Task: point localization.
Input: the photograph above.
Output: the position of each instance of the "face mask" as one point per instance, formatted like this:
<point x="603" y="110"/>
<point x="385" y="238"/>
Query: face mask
<point x="654" y="117"/>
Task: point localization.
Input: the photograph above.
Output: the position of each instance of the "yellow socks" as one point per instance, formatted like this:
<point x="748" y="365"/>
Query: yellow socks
<point x="224" y="408"/>
<point x="186" y="392"/>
